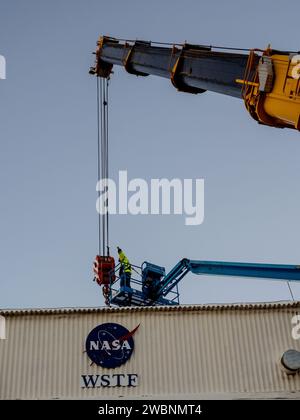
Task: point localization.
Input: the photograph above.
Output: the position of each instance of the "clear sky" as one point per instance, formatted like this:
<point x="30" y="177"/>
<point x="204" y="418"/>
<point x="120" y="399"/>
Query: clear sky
<point x="48" y="173"/>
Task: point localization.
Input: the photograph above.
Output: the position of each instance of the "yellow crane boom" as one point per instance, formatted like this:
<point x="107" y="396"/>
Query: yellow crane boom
<point x="267" y="80"/>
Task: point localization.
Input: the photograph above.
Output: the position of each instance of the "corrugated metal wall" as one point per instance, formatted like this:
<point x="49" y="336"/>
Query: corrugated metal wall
<point x="183" y="352"/>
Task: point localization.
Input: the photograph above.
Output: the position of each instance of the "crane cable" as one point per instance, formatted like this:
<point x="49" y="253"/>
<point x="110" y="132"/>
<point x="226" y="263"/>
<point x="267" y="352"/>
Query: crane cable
<point x="102" y="163"/>
<point x="180" y="44"/>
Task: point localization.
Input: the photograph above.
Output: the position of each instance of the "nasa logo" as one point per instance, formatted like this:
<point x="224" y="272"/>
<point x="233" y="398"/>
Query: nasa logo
<point x="110" y="345"/>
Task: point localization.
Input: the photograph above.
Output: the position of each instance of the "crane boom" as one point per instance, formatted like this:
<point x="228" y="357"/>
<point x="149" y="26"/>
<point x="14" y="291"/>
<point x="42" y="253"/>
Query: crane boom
<point x="268" y="81"/>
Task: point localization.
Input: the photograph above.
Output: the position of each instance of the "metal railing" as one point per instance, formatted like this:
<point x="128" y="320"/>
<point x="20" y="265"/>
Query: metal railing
<point x="136" y="284"/>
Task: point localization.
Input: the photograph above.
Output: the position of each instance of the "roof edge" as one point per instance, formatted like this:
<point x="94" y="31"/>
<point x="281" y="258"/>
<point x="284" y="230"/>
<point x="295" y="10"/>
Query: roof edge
<point x="179" y="308"/>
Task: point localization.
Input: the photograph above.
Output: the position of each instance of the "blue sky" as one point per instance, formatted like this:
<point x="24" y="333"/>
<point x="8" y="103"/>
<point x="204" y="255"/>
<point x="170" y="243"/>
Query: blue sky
<point x="48" y="225"/>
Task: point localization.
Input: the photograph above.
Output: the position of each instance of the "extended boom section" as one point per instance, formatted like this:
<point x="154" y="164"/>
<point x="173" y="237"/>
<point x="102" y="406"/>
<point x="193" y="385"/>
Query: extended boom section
<point x="232" y="269"/>
<point x="267" y="81"/>
<point x="191" y="68"/>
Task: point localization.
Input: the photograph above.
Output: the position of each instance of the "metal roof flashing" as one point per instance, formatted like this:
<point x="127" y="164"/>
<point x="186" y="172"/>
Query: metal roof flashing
<point x="177" y="308"/>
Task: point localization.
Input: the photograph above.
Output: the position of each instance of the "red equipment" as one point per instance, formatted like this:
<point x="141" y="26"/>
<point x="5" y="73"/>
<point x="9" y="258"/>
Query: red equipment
<point x="104" y="268"/>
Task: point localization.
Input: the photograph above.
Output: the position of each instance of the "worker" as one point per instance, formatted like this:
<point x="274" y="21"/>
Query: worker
<point x="125" y="268"/>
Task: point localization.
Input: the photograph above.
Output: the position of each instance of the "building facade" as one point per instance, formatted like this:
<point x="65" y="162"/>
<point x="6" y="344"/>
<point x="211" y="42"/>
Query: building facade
<point x="184" y="352"/>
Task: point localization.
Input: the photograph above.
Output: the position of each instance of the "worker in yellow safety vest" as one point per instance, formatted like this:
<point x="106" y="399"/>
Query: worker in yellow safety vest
<point x="125" y="269"/>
